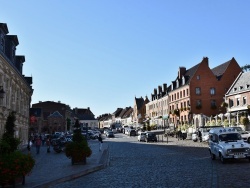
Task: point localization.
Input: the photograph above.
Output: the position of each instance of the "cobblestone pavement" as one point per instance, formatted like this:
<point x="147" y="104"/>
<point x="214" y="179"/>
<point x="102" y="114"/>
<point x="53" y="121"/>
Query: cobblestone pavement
<point x="51" y="168"/>
<point x="173" y="164"/>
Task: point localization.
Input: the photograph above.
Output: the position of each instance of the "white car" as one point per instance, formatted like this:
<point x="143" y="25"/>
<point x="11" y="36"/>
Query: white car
<point x="246" y="136"/>
<point x="226" y="143"/>
<point x="142" y="136"/>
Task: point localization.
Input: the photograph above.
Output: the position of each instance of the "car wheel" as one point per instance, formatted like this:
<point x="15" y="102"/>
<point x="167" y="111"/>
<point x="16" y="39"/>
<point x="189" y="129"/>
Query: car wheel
<point x="212" y="155"/>
<point x="222" y="159"/>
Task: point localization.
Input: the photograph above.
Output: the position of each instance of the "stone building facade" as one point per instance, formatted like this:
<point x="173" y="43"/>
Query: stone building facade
<point x="15" y="88"/>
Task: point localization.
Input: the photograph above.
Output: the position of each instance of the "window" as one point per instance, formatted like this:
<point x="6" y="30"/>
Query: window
<point x="244" y="100"/>
<point x="197" y="90"/>
<point x="177" y="84"/>
<point x="183" y="93"/>
<point x="187" y="92"/>
<point x="198" y="77"/>
<point x="231" y="103"/>
<point x="238" y="101"/>
<point x="212" y="91"/>
<point x="235" y="89"/>
<point x="198" y="104"/>
<point x="213" y="104"/>
<point x="183" y="80"/>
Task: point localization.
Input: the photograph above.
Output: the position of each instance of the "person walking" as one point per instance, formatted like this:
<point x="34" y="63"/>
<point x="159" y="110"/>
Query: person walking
<point x="38" y="142"/>
<point x="200" y="135"/>
<point x="100" y="142"/>
<point x="48" y="143"/>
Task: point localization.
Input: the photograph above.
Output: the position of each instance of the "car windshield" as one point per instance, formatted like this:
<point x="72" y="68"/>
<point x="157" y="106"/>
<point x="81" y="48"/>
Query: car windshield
<point x="151" y="134"/>
<point x="230" y="137"/>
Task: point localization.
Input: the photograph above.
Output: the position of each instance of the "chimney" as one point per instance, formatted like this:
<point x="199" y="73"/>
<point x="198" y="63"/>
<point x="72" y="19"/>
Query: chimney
<point x="165" y="88"/>
<point x="159" y="89"/>
<point x="205" y="60"/>
<point x="181" y="72"/>
<point x="155" y="91"/>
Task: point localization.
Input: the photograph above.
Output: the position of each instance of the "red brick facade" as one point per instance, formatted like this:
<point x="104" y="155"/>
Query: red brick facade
<point x="201" y="85"/>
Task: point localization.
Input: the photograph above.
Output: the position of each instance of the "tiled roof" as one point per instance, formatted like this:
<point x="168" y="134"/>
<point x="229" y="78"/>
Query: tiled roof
<point x="190" y="73"/>
<point x="117" y="112"/>
<point x="220" y="70"/>
<point x="128" y="113"/>
<point x="85" y="117"/>
<point x="241" y="84"/>
<point x="55" y="114"/>
<point x="139" y="102"/>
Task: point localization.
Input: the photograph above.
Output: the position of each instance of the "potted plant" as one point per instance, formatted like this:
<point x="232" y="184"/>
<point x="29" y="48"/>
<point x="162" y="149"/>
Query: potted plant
<point x="78" y="150"/>
<point x="14" y="165"/>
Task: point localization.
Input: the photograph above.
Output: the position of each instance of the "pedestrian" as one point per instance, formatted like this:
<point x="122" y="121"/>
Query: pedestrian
<point x="48" y="143"/>
<point x="38" y="143"/>
<point x="43" y="139"/>
<point x="179" y="133"/>
<point x="29" y="144"/>
<point x="100" y="142"/>
<point x="200" y="135"/>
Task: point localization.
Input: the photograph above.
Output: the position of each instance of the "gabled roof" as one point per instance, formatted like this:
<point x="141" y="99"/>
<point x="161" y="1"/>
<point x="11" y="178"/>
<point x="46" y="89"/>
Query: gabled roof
<point x="85" y="117"/>
<point x="190" y="73"/>
<point x="128" y="113"/>
<point x="83" y="114"/>
<point x="139" y="102"/>
<point x="220" y="69"/>
<point x="117" y="112"/>
<point x="241" y="84"/>
<point x="55" y="114"/>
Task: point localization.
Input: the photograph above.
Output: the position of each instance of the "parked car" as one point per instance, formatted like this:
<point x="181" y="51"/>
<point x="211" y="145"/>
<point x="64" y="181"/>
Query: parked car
<point x="150" y="137"/>
<point x="227" y="143"/>
<point x="132" y="132"/>
<point x="246" y="136"/>
<point x="141" y="136"/>
<point x="110" y="134"/>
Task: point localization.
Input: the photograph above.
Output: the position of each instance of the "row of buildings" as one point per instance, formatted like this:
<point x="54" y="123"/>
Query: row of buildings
<point x="196" y="94"/>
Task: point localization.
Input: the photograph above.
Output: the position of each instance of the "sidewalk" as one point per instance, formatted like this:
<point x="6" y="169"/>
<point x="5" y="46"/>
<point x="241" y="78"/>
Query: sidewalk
<point x="52" y="168"/>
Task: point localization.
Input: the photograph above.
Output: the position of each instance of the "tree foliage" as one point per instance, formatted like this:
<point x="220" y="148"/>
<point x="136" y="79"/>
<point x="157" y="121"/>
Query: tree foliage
<point x="245" y="68"/>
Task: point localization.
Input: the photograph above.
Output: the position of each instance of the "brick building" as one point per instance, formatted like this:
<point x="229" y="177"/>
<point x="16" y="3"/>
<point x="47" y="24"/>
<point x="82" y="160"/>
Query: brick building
<point x="200" y="90"/>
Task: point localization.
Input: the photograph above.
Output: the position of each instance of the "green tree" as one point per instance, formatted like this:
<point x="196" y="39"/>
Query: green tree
<point x="8" y="142"/>
<point x="68" y="124"/>
<point x="245" y="68"/>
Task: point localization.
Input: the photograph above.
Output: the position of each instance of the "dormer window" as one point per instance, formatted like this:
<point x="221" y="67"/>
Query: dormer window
<point x="241" y="87"/>
<point x="235" y="89"/>
<point x="247" y="86"/>
<point x="177" y="83"/>
<point x="183" y="80"/>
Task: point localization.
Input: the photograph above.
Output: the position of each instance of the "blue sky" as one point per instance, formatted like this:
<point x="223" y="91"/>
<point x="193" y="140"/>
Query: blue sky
<point x="102" y="53"/>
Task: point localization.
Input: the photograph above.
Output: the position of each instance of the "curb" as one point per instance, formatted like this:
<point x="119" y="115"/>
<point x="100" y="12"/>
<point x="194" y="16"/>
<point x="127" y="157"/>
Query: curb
<point x="103" y="163"/>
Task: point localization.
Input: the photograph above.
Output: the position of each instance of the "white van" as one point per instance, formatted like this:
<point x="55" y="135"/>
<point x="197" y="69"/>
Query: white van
<point x="226" y="143"/>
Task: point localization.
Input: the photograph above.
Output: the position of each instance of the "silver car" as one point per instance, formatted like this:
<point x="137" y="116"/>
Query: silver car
<point x="142" y="136"/>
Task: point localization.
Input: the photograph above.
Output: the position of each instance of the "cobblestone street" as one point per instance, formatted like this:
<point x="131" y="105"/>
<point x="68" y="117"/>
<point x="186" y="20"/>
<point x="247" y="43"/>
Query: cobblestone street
<point x="173" y="164"/>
